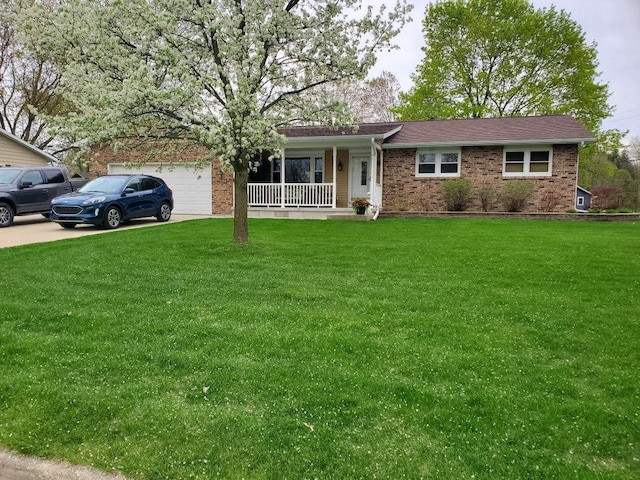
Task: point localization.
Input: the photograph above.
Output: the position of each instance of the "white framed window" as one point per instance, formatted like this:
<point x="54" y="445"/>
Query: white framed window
<point x="581" y="201"/>
<point x="300" y="168"/>
<point x="438" y="163"/>
<point x="527" y="161"/>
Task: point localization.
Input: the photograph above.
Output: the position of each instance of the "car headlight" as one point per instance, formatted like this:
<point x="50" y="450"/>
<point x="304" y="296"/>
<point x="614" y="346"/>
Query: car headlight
<point x="94" y="200"/>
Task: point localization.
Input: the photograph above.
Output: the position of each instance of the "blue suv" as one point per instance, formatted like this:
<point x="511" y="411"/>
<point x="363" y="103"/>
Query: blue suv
<point x="112" y="199"/>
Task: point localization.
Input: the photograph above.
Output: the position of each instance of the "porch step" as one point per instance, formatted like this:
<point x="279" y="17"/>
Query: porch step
<point x="352" y="217"/>
<point x="307" y="213"/>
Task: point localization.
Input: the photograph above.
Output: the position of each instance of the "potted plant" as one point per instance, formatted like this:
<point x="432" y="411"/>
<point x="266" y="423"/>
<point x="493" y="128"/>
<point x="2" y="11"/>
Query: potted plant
<point x="360" y="205"/>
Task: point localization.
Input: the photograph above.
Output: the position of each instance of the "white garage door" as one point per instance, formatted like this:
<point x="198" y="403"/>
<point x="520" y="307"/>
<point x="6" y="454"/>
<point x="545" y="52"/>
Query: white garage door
<point x="191" y="188"/>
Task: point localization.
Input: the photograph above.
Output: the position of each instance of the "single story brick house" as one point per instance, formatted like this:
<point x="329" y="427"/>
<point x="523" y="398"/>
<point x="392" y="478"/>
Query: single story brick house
<point x="15" y="152"/>
<point x="399" y="166"/>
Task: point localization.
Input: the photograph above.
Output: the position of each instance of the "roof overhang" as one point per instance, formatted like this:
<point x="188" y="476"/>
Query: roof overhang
<point x="340" y="140"/>
<point x="27" y="145"/>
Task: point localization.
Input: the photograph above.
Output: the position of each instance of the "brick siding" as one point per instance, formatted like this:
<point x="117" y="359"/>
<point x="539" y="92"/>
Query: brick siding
<point x="482" y="166"/>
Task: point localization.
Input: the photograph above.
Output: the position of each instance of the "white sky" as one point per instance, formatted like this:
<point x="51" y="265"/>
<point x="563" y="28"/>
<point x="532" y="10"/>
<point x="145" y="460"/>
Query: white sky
<point x="614" y="25"/>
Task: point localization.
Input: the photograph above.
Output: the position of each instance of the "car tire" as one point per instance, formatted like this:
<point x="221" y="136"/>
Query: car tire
<point x="112" y="218"/>
<point x="68" y="225"/>
<point x="6" y="215"/>
<point x="164" y="212"/>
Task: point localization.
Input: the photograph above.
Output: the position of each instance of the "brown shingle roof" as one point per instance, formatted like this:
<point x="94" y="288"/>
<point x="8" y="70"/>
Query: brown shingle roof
<point x="552" y="129"/>
<point x="469" y="131"/>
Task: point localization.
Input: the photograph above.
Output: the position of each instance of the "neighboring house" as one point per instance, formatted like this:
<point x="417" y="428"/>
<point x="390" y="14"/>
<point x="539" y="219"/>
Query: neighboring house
<point x="399" y="166"/>
<point x="583" y="199"/>
<point x="15" y="152"/>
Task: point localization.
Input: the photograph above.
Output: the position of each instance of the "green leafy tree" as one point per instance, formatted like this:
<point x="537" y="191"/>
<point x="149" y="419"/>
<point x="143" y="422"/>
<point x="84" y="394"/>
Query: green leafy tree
<point x="221" y="74"/>
<point x="494" y="58"/>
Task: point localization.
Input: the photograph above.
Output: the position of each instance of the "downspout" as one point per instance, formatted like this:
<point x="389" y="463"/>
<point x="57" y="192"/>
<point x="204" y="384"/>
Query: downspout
<point x="378" y="201"/>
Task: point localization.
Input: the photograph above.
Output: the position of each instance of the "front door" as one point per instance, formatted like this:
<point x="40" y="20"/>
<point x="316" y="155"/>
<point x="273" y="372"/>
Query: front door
<point x="360" y="176"/>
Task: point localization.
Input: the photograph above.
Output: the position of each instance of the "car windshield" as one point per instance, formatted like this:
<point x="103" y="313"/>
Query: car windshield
<point x="106" y="184"/>
<point x="8" y="175"/>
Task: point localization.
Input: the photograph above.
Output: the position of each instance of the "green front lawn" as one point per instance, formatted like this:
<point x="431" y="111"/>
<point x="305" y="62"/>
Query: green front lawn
<point x="442" y="349"/>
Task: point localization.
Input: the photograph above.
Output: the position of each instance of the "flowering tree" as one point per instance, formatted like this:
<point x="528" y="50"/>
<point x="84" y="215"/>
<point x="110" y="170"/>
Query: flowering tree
<point x="223" y="74"/>
<point x="28" y="86"/>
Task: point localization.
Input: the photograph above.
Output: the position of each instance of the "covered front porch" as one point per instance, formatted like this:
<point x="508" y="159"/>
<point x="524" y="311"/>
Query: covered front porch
<point x="321" y="171"/>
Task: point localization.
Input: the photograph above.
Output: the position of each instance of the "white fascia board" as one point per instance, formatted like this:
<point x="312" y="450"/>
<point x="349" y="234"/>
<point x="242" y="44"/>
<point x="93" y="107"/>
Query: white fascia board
<point x="325" y="142"/>
<point x="563" y="141"/>
<point x="391" y="132"/>
<point x="27" y="145"/>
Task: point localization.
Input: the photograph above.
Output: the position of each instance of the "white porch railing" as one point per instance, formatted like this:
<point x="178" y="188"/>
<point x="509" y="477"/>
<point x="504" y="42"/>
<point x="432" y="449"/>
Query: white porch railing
<point x="290" y="194"/>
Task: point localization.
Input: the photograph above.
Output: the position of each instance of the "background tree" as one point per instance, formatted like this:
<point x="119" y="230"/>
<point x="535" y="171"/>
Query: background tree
<point x="633" y="150"/>
<point x="613" y="178"/>
<point x="494" y="58"/>
<point x="372" y="100"/>
<point x="378" y="98"/>
<point x="29" y="88"/>
<point x="222" y="74"/>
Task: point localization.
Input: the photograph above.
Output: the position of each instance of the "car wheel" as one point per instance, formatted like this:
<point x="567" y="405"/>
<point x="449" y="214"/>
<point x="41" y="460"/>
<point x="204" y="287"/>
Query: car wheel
<point x="6" y="215"/>
<point x="68" y="225"/>
<point x="112" y="218"/>
<point x="164" y="213"/>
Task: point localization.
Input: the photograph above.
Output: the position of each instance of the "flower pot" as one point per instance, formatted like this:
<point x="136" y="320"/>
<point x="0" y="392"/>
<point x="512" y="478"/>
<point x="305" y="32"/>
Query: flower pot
<point x="361" y="210"/>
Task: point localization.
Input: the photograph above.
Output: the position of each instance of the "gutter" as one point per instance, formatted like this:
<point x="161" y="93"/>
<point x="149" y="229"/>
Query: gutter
<point x="486" y="143"/>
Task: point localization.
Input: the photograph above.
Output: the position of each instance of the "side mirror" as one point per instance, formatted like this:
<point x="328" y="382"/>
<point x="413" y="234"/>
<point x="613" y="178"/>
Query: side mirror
<point x="26" y="184"/>
<point x="127" y="191"/>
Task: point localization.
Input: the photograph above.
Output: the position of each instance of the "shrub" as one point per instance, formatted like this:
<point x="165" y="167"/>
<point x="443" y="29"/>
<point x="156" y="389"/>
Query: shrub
<point x="550" y="200"/>
<point x="607" y="197"/>
<point x="486" y="195"/>
<point x="572" y="210"/>
<point x="456" y="194"/>
<point x="515" y="194"/>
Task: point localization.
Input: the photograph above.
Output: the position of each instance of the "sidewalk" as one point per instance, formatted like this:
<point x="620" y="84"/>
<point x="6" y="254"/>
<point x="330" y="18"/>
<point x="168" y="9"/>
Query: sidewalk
<point x="19" y="467"/>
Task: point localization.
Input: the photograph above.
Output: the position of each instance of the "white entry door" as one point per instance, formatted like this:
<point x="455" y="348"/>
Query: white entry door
<point x="360" y="173"/>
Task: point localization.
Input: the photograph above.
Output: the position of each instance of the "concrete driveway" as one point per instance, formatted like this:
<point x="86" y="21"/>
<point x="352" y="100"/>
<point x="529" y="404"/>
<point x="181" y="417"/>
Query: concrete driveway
<point x="37" y="229"/>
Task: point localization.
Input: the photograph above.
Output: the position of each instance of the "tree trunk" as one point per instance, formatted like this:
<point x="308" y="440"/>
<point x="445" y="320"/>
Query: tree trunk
<point x="240" y="222"/>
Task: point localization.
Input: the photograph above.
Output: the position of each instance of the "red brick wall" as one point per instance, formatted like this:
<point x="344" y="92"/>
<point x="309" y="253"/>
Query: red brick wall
<point x="221" y="182"/>
<point x="482" y="166"/>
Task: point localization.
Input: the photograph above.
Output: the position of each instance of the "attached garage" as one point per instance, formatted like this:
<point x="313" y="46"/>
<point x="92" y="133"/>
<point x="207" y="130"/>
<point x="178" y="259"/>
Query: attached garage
<point x="191" y="187"/>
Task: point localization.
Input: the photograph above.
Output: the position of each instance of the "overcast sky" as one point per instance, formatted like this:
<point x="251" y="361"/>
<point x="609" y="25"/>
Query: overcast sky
<point x="614" y="25"/>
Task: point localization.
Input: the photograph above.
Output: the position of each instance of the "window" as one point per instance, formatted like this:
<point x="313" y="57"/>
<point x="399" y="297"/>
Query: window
<point x="54" y="176"/>
<point x="431" y="163"/>
<point x="302" y="168"/>
<point x="319" y="173"/>
<point x="134" y="184"/>
<point x="364" y="173"/>
<point x="519" y="161"/>
<point x="149" y="183"/>
<point x="33" y="177"/>
<point x="581" y="201"/>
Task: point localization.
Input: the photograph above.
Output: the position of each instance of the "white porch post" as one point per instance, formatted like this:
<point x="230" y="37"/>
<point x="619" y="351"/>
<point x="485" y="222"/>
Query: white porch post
<point x="282" y="199"/>
<point x="335" y="176"/>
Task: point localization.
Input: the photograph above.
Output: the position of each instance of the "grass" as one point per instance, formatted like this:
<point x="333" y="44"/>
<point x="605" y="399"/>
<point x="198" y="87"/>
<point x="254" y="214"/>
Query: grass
<point x="395" y="349"/>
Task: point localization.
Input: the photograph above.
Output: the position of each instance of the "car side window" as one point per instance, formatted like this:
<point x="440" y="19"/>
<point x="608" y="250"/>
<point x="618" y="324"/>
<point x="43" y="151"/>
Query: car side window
<point x="134" y="185"/>
<point x="149" y="183"/>
<point x="33" y="176"/>
<point x="54" y="176"/>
